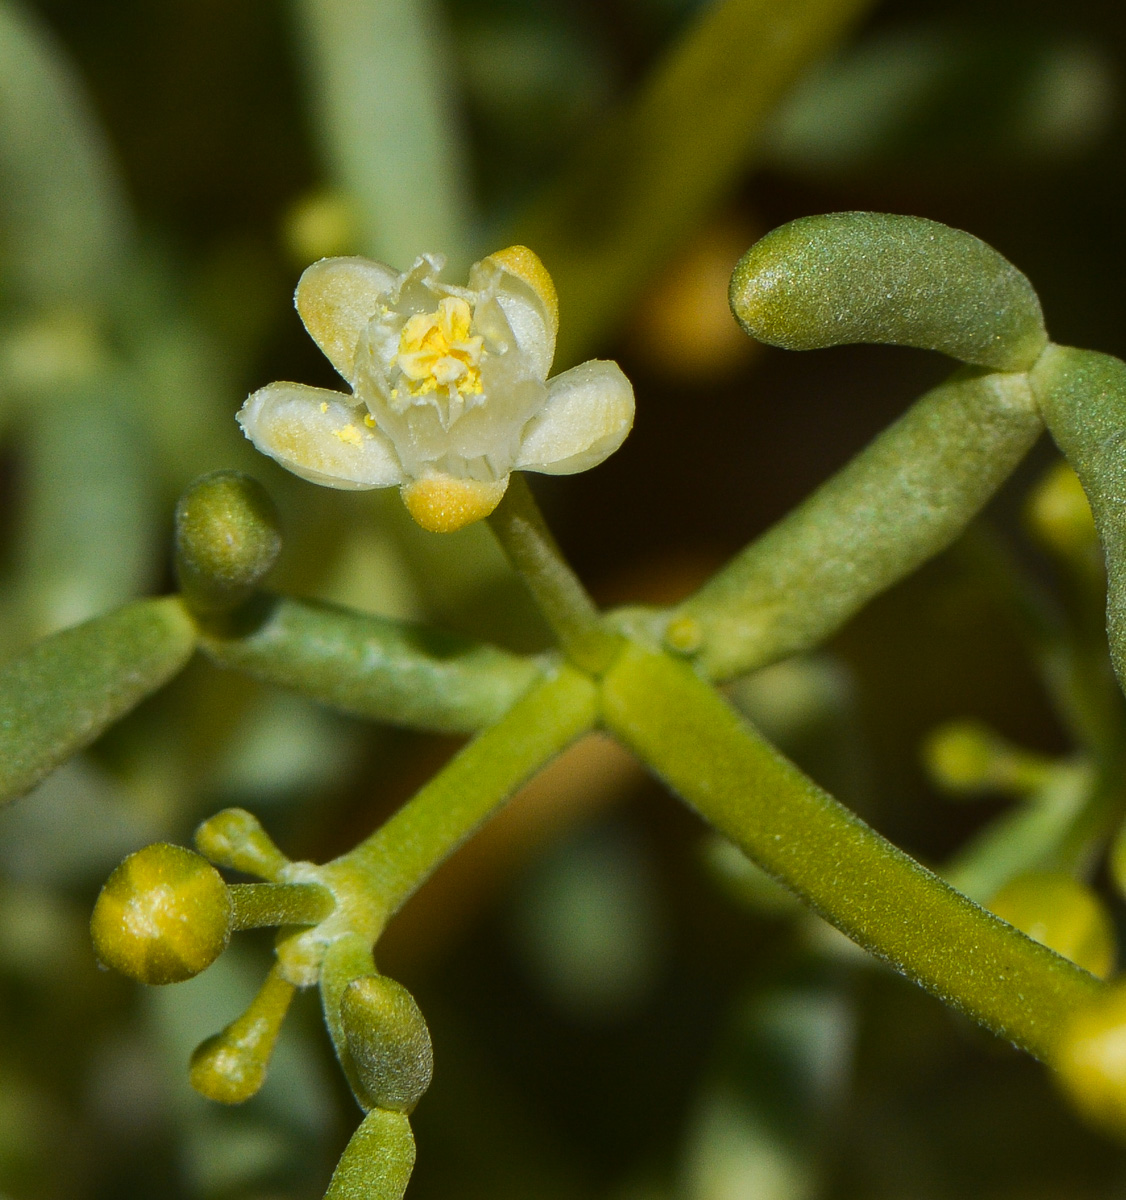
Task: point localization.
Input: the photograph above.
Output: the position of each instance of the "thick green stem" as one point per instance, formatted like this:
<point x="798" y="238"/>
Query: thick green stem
<point x="873" y="892"/>
<point x="571" y="613"/>
<point x="899" y="502"/>
<point x="398" y="858"/>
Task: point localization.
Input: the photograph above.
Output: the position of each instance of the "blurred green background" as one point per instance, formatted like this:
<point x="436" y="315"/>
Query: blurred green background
<point x="616" y="1011"/>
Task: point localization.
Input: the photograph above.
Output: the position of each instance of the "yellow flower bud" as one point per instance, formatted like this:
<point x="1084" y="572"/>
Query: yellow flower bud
<point x="231" y="1066"/>
<point x="163" y="915"/>
<point x="1063" y="914"/>
<point x="1090" y="1060"/>
<point x="234" y="838"/>
<point x="388" y="1040"/>
<point x="968" y="757"/>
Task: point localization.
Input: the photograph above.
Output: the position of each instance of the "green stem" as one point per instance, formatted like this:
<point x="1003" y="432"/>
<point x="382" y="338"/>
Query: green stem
<point x="874" y="893"/>
<point x="398" y="858"/>
<point x="571" y="613"/>
<point x="260" y="905"/>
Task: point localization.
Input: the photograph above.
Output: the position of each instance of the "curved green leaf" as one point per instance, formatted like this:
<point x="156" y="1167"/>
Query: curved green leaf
<point x="877" y="277"/>
<point x="62" y="213"/>
<point x="382" y="91"/>
<point x="1082" y="396"/>
<point x="904" y="498"/>
<point x="67" y="689"/>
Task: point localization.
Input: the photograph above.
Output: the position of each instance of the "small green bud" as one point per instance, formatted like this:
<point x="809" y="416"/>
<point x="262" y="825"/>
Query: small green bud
<point x="968" y="757"/>
<point x="227" y="539"/>
<point x="1090" y="1060"/>
<point x="378" y="1160"/>
<point x="1060" y="514"/>
<point x="877" y="277"/>
<point x="235" y="839"/>
<point x="231" y="1066"/>
<point x="388" y="1040"/>
<point x="1061" y="913"/>
<point x="163" y="915"/>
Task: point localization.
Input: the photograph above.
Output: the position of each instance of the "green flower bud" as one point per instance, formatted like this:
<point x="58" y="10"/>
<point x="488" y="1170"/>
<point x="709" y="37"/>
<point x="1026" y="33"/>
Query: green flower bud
<point x="1060" y="514"/>
<point x="388" y="1040"/>
<point x="163" y="915"/>
<point x="876" y="277"/>
<point x="227" y="539"/>
<point x="378" y="1160"/>
<point x="968" y="757"/>
<point x="235" y="839"/>
<point x="1090" y="1060"/>
<point x="1061" y="913"/>
<point x="231" y="1066"/>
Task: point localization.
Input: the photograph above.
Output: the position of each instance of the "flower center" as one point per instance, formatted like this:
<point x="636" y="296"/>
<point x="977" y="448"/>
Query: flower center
<point x="436" y="351"/>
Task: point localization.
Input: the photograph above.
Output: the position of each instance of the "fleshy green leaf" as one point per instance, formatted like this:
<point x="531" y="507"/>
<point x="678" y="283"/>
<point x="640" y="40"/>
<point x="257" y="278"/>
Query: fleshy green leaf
<point x="877" y="277"/>
<point x="1082" y="395"/>
<point x="88" y="540"/>
<point x="375" y="667"/>
<point x="67" y="689"/>
<point x="874" y="893"/>
<point x="899" y="502"/>
<point x="62" y="218"/>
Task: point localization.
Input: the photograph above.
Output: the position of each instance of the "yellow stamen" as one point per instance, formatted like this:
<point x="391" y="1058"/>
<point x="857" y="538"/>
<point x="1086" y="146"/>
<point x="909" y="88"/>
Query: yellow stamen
<point x="437" y="351"/>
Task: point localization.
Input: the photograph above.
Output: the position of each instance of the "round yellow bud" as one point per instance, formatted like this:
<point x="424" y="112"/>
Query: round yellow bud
<point x="163" y="915"/>
<point x="1090" y="1060"/>
<point x="1061" y="913"/>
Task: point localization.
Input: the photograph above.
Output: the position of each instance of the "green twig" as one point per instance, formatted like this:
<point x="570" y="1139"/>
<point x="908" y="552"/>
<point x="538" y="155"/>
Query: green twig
<point x="398" y="858"/>
<point x="568" y="608"/>
<point x="873" y="892"/>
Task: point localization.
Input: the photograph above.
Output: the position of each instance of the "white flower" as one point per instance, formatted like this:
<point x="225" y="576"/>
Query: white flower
<point x="449" y="387"/>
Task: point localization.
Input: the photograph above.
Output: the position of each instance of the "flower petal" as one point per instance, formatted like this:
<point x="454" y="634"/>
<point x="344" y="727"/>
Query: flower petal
<point x="588" y="414"/>
<point x="336" y="298"/>
<point x="444" y="503"/>
<point x="526" y="295"/>
<point x="319" y="435"/>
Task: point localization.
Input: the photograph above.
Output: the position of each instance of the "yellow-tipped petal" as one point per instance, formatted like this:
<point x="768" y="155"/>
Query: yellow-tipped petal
<point x="443" y="504"/>
<point x="336" y="298"/>
<point x="526" y="265"/>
